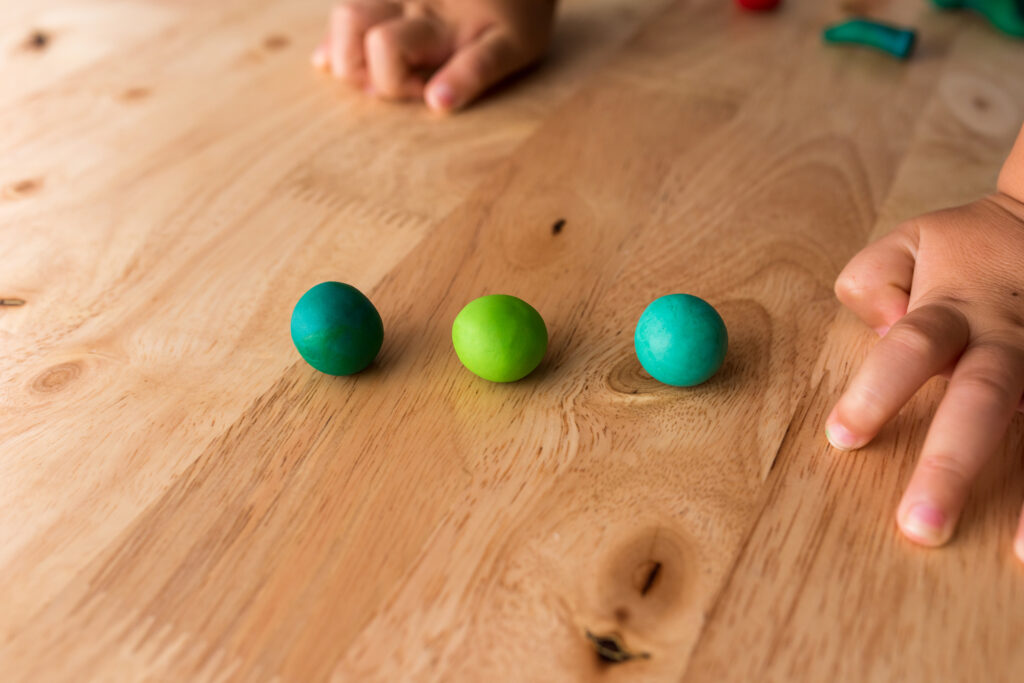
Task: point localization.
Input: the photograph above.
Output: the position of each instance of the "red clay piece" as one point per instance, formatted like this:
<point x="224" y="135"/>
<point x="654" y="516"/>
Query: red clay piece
<point x="758" y="5"/>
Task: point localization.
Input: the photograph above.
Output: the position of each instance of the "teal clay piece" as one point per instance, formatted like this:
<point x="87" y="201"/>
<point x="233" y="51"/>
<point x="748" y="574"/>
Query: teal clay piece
<point x="1005" y="15"/>
<point x="336" y="329"/>
<point x="897" y="41"/>
<point x="681" y="340"/>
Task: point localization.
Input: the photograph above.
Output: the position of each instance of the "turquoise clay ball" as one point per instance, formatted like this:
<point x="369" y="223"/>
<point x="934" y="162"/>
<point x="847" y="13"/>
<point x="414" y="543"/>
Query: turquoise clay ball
<point x="336" y="329"/>
<point x="499" y="337"/>
<point x="681" y="340"/>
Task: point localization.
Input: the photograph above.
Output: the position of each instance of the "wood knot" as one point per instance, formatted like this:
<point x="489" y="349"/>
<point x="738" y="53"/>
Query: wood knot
<point x="37" y="41"/>
<point x="647" y="577"/>
<point x="611" y="650"/>
<point x="981" y="106"/>
<point x="22" y="188"/>
<point x="57" y="377"/>
<point x="276" y="42"/>
<point x="628" y="377"/>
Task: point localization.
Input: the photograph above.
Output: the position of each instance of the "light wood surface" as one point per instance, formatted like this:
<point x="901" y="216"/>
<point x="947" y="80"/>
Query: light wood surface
<point x="181" y="498"/>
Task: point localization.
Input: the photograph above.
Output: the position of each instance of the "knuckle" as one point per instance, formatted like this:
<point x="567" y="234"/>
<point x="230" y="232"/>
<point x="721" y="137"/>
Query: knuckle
<point x="949" y="301"/>
<point x="922" y="333"/>
<point x="498" y="58"/>
<point x="989" y="386"/>
<point x="1002" y="349"/>
<point x="947" y="467"/>
<point x="915" y="336"/>
<point x="944" y="312"/>
<point x="1001" y="345"/>
<point x="1011" y="319"/>
<point x="863" y="406"/>
<point x="520" y="45"/>
<point x="484" y="62"/>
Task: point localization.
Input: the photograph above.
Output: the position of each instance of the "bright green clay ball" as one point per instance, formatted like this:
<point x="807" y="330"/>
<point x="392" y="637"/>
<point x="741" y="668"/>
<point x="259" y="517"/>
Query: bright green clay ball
<point x="499" y="337"/>
<point x="336" y="329"/>
<point x="681" y="340"/>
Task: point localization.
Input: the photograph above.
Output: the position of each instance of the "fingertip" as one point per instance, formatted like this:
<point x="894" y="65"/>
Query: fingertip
<point x="440" y="97"/>
<point x="837" y="437"/>
<point x="319" y="58"/>
<point x="474" y="68"/>
<point x="926" y="524"/>
<point x="1018" y="542"/>
<point x="840" y="436"/>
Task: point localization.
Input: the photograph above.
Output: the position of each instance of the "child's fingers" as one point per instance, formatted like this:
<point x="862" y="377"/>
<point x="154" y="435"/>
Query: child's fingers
<point x="1018" y="543"/>
<point x="320" y="58"/>
<point x="968" y="426"/>
<point x="918" y="346"/>
<point x="474" y="68"/>
<point x="875" y="284"/>
<point x="396" y="48"/>
<point x="349" y="23"/>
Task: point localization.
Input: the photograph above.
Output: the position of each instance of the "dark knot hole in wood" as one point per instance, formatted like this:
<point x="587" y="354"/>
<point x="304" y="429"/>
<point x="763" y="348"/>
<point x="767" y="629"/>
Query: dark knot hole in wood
<point x="652" y="576"/>
<point x="645" y="579"/>
<point x="610" y="649"/>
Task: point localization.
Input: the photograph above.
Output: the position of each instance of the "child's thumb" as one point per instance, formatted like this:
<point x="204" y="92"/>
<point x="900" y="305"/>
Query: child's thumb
<point x="875" y="284"/>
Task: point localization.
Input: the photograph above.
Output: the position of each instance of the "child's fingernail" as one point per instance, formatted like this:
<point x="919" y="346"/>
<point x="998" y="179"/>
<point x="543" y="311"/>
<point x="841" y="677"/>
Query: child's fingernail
<point x="882" y="330"/>
<point x="840" y="437"/>
<point x="925" y="524"/>
<point x="441" y="97"/>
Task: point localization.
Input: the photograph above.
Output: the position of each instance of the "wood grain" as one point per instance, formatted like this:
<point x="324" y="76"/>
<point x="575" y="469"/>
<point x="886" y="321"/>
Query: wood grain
<point x="184" y="499"/>
<point x="161" y="229"/>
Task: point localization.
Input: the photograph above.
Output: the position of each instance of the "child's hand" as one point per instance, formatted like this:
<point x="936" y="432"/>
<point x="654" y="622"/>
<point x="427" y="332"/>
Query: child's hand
<point x="946" y="292"/>
<point x="390" y="47"/>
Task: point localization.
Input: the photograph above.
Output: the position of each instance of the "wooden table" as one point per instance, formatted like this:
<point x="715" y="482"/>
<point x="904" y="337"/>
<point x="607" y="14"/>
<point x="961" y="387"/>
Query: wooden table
<point x="182" y="498"/>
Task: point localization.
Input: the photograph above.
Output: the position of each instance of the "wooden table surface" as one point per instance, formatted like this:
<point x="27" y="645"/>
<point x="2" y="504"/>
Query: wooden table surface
<point x="182" y="498"/>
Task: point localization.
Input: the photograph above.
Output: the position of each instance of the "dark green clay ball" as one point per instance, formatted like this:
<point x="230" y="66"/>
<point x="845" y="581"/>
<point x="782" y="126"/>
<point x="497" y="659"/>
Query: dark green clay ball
<point x="336" y="329"/>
